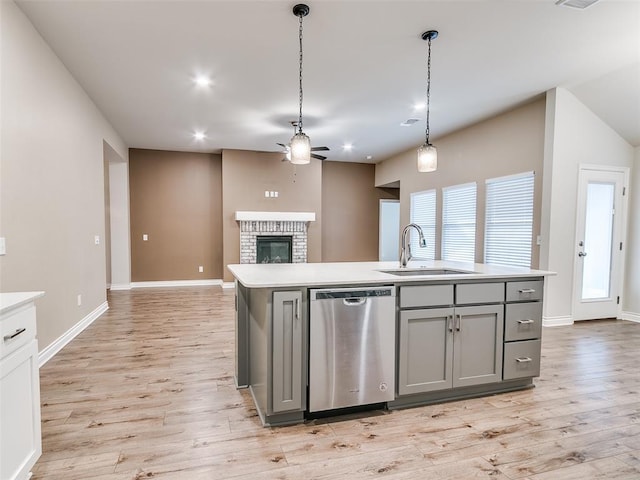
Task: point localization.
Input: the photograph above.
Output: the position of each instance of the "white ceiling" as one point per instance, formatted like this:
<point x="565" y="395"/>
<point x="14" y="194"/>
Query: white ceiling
<point x="364" y="67"/>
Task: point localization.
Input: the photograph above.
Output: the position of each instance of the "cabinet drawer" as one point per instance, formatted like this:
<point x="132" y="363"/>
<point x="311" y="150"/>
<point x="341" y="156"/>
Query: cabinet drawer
<point x="467" y="293"/>
<point x="523" y="321"/>
<point x="519" y="291"/>
<point x="17" y="328"/>
<point x="426" y="295"/>
<point x="521" y="359"/>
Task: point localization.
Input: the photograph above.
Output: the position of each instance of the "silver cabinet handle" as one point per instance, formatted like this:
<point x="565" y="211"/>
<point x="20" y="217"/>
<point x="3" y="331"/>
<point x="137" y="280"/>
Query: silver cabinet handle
<point x="450" y="323"/>
<point x="524" y="360"/>
<point x="525" y="322"/>
<point x="527" y="290"/>
<point x="14" y="334"/>
<point x="458" y="321"/>
<point x="297" y="308"/>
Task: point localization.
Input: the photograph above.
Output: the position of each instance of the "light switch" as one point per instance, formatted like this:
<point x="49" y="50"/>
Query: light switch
<point x="266" y="193"/>
<point x="145" y="237"/>
<point x="3" y="246"/>
<point x="96" y="239"/>
<point x="539" y="240"/>
<point x="276" y="194"/>
<point x="200" y="269"/>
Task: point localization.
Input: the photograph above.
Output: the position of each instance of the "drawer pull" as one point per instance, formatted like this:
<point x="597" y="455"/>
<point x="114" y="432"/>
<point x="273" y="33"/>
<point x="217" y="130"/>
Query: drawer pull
<point x="527" y="290"/>
<point x="525" y="322"/>
<point x="524" y="360"/>
<point x="14" y="334"/>
<point x="450" y="323"/>
<point x="459" y="321"/>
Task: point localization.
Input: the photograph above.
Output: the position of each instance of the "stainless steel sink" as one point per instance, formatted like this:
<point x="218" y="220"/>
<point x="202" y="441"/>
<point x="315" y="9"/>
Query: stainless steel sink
<point x="425" y="271"/>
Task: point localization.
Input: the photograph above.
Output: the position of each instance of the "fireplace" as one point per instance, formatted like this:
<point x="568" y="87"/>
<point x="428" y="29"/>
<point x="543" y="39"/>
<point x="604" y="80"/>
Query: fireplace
<point x="273" y="249"/>
<point x="281" y="228"/>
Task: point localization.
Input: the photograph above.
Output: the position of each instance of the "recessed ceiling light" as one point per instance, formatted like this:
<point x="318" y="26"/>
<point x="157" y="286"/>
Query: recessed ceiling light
<point x="202" y="81"/>
<point x="419" y="106"/>
<point x="369" y="157"/>
<point x="347" y="147"/>
<point x="199" y="135"/>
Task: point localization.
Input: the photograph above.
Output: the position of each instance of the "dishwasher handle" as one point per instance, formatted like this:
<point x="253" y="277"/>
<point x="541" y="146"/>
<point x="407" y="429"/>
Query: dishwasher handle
<point x="354" y="302"/>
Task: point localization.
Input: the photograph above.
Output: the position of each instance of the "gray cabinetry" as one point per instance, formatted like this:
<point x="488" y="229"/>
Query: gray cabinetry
<point x="523" y="329"/>
<point x="443" y="348"/>
<point x="287" y="354"/>
<point x="277" y="367"/>
<point x="425" y="353"/>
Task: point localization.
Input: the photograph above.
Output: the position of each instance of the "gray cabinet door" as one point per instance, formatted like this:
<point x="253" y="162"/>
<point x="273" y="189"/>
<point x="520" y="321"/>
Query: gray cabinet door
<point x="478" y="336"/>
<point x="287" y="351"/>
<point x="425" y="350"/>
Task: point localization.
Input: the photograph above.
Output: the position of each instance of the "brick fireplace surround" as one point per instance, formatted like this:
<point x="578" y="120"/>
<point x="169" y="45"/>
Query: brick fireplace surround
<point x="254" y="224"/>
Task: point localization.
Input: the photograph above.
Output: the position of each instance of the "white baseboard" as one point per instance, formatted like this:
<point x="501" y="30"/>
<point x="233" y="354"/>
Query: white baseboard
<point x="557" y="321"/>
<point x="632" y="317"/>
<point x="47" y="354"/>
<point x="228" y="284"/>
<point x="177" y="283"/>
<point x="120" y="286"/>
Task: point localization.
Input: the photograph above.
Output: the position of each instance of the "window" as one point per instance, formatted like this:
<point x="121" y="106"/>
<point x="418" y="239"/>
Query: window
<point x="459" y="222"/>
<point x="423" y="213"/>
<point x="509" y="220"/>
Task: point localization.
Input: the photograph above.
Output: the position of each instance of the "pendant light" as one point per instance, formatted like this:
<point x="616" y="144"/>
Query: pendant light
<point x="427" y="153"/>
<point x="300" y="145"/>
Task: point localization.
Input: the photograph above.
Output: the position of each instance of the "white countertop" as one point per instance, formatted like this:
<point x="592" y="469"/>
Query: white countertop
<point x="275" y="275"/>
<point x="11" y="300"/>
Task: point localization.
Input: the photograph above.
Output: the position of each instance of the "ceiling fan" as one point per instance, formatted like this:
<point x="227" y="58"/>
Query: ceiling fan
<point x="287" y="147"/>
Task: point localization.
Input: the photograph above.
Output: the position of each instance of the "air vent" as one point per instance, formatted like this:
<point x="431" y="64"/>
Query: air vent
<point x="581" y="4"/>
<point x="409" y="122"/>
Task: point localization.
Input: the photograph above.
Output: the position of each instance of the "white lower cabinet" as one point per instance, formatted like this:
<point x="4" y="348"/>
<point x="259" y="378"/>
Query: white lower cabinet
<point x="20" y="436"/>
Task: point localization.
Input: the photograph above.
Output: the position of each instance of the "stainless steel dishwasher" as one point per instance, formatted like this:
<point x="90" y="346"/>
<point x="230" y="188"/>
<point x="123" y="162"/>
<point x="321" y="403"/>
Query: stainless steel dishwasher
<point x="351" y="347"/>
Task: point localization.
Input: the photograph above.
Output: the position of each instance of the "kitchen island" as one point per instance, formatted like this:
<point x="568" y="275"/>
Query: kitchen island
<point x="457" y="330"/>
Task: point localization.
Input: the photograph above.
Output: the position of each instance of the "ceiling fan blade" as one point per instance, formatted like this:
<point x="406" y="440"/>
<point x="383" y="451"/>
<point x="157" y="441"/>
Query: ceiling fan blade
<point x="319" y="157"/>
<point x="319" y="149"/>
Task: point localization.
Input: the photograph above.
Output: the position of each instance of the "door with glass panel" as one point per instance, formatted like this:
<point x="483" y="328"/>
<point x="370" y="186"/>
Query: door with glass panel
<point x="598" y="248"/>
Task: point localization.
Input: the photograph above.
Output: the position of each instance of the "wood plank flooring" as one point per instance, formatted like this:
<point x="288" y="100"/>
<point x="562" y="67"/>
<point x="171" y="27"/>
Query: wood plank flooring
<point x="147" y="392"/>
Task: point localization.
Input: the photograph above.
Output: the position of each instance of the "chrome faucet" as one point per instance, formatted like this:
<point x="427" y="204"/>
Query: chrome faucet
<point x="405" y="251"/>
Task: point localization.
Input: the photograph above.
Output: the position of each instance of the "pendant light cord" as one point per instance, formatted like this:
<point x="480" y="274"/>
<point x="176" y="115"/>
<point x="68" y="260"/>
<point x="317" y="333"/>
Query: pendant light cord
<point x="428" y="90"/>
<point x="300" y="77"/>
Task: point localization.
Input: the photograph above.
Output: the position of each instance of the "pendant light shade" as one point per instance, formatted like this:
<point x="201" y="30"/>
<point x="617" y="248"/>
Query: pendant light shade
<point x="300" y="149"/>
<point x="300" y="145"/>
<point x="427" y="158"/>
<point x="427" y="153"/>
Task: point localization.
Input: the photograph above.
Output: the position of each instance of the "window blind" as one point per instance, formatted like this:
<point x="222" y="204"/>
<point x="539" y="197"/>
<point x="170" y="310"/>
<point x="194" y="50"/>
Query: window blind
<point x="459" y="222"/>
<point x="509" y="220"/>
<point x="423" y="213"/>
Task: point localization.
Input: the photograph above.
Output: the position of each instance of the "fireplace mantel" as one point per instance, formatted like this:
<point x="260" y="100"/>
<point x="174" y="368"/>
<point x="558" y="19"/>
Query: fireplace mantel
<point x="276" y="216"/>
<point x="290" y="224"/>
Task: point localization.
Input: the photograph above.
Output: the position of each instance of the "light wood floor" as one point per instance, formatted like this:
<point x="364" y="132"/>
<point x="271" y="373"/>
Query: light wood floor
<point x="147" y="392"/>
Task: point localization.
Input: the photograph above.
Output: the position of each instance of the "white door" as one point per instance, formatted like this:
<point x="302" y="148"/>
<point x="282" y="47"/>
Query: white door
<point x="389" y="243"/>
<point x="598" y="249"/>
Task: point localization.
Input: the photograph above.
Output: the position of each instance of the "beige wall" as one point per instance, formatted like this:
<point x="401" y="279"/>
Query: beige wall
<point x="507" y="144"/>
<point x="52" y="186"/>
<point x="176" y="199"/>
<point x="245" y="177"/>
<point x="350" y="207"/>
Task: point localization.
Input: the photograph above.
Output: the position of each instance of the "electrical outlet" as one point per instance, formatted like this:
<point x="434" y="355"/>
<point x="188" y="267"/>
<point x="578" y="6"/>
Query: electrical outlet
<point x="79" y="300"/>
<point x="96" y="239"/>
<point x="200" y="269"/>
<point x="145" y="237"/>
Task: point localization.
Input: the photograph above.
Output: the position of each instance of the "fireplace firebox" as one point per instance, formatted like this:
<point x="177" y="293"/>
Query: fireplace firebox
<point x="273" y="249"/>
